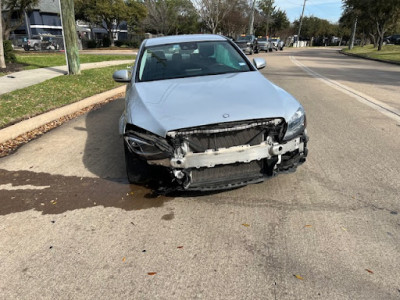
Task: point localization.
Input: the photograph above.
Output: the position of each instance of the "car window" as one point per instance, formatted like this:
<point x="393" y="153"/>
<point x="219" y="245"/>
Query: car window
<point x="244" y="38"/>
<point x="190" y="59"/>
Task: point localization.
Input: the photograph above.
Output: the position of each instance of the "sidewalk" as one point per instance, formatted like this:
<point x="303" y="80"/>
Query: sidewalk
<point x="19" y="80"/>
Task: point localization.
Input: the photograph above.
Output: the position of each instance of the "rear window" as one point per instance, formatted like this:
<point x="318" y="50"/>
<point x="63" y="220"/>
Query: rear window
<point x="190" y="59"/>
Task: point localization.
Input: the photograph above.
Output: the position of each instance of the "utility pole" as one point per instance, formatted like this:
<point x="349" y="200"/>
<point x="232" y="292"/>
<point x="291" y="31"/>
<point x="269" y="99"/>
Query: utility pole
<point x="251" y="20"/>
<point x="70" y="36"/>
<point x="2" y="60"/>
<point x="301" y="22"/>
<point x="353" y="34"/>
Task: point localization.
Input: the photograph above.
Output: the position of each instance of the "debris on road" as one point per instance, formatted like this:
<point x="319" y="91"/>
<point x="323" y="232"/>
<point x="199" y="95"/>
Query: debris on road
<point x="298" y="277"/>
<point x="369" y="271"/>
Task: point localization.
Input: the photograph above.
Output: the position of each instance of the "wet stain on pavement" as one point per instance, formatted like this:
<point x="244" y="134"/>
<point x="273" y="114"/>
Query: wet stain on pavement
<point x="59" y="194"/>
<point x="168" y="217"/>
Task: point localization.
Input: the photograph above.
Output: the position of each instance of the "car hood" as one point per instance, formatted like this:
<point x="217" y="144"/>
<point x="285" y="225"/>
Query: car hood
<point x="165" y="105"/>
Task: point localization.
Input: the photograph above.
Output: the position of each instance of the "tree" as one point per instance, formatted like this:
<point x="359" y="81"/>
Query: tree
<point x="236" y="20"/>
<point x="14" y="14"/>
<point x="383" y="14"/>
<point x="213" y="12"/>
<point x="110" y="13"/>
<point x="170" y="16"/>
<point x="268" y="9"/>
<point x="280" y="22"/>
<point x="315" y="28"/>
<point x="70" y="38"/>
<point x="2" y="60"/>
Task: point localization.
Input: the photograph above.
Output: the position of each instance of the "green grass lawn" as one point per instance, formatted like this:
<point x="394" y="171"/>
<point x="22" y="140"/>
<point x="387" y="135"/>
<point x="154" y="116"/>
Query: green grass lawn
<point x="388" y="52"/>
<point x="43" y="60"/>
<point x="28" y="102"/>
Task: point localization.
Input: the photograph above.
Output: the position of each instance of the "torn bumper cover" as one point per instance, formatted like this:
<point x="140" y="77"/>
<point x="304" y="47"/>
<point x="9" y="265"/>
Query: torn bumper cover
<point x="222" y="157"/>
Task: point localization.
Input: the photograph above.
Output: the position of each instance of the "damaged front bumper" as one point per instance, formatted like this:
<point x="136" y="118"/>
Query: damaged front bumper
<point x="214" y="168"/>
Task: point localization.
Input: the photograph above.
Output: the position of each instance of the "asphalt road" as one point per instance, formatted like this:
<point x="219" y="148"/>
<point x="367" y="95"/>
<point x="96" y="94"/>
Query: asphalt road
<point x="72" y="228"/>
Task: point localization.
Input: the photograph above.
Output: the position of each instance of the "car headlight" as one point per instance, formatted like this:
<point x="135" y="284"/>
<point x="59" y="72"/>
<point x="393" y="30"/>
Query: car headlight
<point x="296" y="124"/>
<point x="148" y="146"/>
<point x="248" y="44"/>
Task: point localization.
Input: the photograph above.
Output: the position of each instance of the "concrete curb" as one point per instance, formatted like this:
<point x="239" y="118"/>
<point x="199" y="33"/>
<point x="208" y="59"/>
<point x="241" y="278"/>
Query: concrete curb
<point x="369" y="58"/>
<point x="22" y="127"/>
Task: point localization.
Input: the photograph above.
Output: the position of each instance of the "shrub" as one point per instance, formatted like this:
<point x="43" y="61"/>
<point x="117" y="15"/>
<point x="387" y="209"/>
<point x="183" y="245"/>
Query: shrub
<point x="9" y="55"/>
<point x="106" y="41"/>
<point x="92" y="44"/>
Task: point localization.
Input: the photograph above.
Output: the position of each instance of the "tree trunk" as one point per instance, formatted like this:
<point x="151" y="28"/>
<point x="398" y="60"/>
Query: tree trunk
<point x="111" y="37"/>
<point x="374" y="40"/>
<point x="70" y="36"/>
<point x="2" y="61"/>
<point x="251" y="19"/>
<point x="353" y="35"/>
<point x="381" y="33"/>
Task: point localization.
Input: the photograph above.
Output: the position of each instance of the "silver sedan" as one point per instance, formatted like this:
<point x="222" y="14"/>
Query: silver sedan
<point x="198" y="109"/>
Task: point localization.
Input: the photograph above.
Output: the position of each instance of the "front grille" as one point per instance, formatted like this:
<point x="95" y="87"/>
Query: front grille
<point x="222" y="174"/>
<point x="200" y="142"/>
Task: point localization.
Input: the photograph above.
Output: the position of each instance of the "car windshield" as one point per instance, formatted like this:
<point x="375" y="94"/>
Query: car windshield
<point x="244" y="38"/>
<point x="190" y="59"/>
<point x="262" y="39"/>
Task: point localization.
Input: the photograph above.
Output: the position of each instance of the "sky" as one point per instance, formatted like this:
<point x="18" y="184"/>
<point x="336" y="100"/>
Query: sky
<point x="330" y="10"/>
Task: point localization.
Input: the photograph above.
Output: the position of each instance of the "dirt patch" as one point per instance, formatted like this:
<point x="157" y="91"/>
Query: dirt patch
<point x="12" y="67"/>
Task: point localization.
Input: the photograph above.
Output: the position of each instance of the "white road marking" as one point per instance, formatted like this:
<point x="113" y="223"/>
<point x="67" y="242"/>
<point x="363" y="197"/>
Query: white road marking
<point x="10" y="187"/>
<point x="385" y="109"/>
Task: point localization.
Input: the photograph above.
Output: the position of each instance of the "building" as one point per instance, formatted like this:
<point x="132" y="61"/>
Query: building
<point x="45" y="19"/>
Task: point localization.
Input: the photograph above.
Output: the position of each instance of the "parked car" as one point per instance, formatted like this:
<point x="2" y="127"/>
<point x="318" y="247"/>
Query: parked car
<point x="263" y="44"/>
<point x="247" y="43"/>
<point x="393" y="39"/>
<point x="41" y="42"/>
<point x="276" y="44"/>
<point x="206" y="116"/>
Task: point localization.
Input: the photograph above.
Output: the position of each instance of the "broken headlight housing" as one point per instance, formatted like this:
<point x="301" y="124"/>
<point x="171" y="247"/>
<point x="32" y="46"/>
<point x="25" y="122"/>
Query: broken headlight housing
<point x="296" y="124"/>
<point x="147" y="145"/>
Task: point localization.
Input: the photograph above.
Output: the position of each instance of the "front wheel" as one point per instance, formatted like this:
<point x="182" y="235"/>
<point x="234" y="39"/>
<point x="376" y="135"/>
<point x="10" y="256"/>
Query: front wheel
<point x="136" y="169"/>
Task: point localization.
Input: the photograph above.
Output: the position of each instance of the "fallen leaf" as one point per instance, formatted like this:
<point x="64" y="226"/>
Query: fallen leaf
<point x="180" y="247"/>
<point x="123" y="259"/>
<point x="152" y="273"/>
<point x="131" y="193"/>
<point x="298" y="277"/>
<point x="344" y="229"/>
<point x="246" y="225"/>
<point x="369" y="271"/>
<point x="308" y="225"/>
<point x="55" y="202"/>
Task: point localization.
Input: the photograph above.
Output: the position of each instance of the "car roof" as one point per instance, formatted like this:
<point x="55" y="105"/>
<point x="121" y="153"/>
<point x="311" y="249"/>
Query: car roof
<point x="183" y="38"/>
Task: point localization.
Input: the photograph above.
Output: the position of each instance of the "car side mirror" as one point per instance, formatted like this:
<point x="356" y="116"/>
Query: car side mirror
<point x="259" y="63"/>
<point x="121" y="76"/>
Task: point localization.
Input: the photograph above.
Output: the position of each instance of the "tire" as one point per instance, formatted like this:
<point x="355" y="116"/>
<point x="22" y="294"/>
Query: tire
<point x="35" y="47"/>
<point x="136" y="169"/>
<point x="26" y="48"/>
<point x="251" y="51"/>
